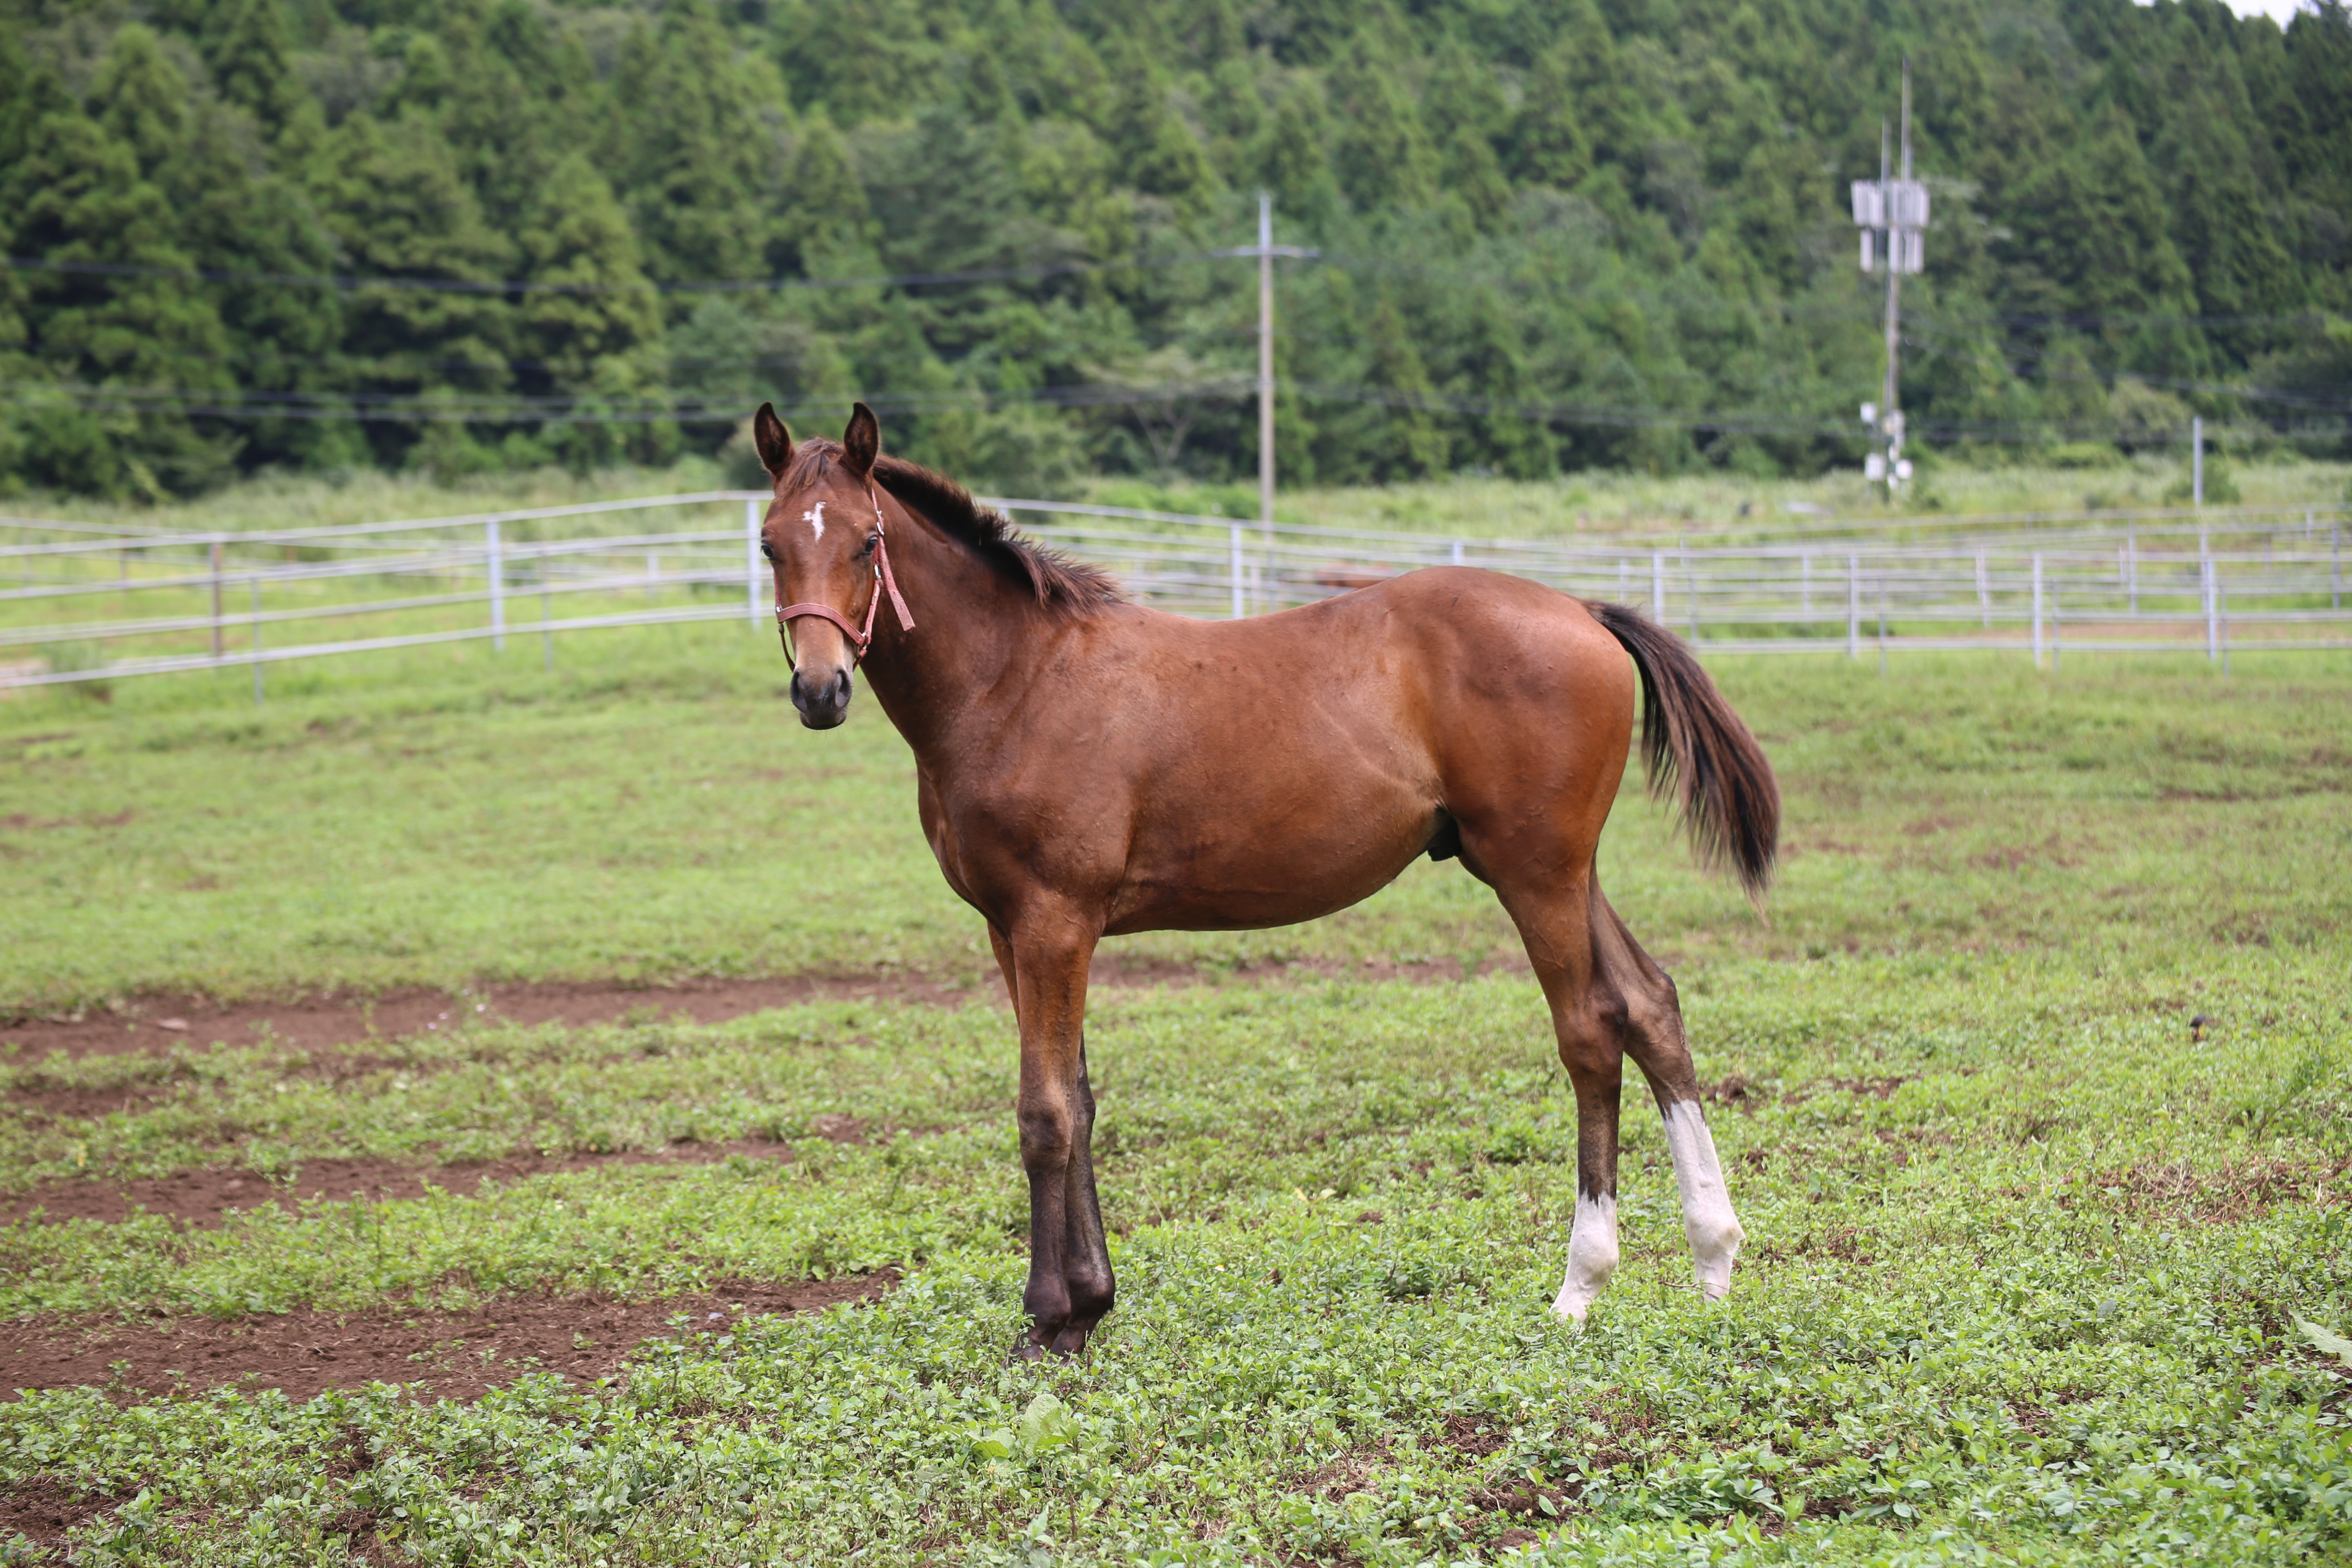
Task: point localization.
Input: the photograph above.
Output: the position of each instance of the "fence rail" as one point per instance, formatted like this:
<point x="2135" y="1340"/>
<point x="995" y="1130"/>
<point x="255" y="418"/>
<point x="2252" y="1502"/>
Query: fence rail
<point x="2046" y="586"/>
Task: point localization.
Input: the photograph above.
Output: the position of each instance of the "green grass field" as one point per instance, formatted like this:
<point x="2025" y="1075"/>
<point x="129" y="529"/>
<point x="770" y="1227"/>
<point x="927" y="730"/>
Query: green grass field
<point x="2027" y="1254"/>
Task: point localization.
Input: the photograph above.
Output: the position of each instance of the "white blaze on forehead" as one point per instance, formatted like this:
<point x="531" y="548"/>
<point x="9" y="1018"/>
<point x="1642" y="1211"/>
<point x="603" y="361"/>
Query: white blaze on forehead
<point x="1707" y="1220"/>
<point x="816" y="519"/>
<point x="1592" y="1255"/>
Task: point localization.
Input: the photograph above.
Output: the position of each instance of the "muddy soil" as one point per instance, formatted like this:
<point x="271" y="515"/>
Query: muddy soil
<point x="456" y="1355"/>
<point x="43" y="1510"/>
<point x="199" y="1200"/>
<point x="156" y="1024"/>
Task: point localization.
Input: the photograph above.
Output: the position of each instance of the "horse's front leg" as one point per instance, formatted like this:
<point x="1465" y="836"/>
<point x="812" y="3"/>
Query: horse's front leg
<point x="1070" y="1285"/>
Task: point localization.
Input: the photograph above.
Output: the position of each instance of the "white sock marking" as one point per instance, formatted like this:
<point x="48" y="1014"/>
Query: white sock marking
<point x="1707" y="1220"/>
<point x="1592" y="1255"/>
<point x="816" y="519"/>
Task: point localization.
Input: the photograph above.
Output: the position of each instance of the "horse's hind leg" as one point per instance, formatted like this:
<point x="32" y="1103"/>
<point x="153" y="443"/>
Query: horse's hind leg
<point x="1588" y="1020"/>
<point x="1654" y="1039"/>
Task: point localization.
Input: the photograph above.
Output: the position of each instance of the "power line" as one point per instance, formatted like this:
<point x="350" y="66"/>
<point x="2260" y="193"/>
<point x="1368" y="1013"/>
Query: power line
<point x="527" y="286"/>
<point x="583" y="411"/>
<point x="401" y="364"/>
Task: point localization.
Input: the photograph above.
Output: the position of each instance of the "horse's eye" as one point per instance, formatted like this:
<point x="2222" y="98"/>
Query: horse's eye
<point x="768" y="550"/>
<point x="871" y="541"/>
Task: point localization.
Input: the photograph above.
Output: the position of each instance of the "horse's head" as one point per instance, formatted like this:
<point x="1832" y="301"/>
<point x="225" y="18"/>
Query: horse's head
<point x="823" y="536"/>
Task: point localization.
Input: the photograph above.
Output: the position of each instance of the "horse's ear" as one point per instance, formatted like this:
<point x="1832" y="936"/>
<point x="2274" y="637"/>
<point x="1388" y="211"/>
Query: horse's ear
<point x="771" y="440"/>
<point x="862" y="441"/>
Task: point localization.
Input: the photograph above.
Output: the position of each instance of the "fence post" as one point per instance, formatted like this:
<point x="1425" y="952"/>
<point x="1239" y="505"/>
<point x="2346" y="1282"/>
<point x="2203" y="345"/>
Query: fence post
<point x="1882" y="623"/>
<point x="1984" y="591"/>
<point x="2336" y="576"/>
<point x="216" y="598"/>
<point x="1235" y="530"/>
<point x="1658" y="586"/>
<point x="1805" y="585"/>
<point x="751" y="563"/>
<point x="496" y="559"/>
<point x="1690" y="576"/>
<point x="2037" y="611"/>
<point x="2221" y="619"/>
<point x="254" y="582"/>
<point x="1853" y="606"/>
<point x="2213" y="594"/>
<point x="2057" y="630"/>
<point x="1457" y="553"/>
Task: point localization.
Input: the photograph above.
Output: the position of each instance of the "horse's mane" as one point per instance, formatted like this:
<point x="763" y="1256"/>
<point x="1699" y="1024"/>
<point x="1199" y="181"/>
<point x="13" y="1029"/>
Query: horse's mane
<point x="1063" y="586"/>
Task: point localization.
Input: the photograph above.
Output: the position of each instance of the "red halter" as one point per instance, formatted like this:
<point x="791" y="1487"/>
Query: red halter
<point x="858" y="640"/>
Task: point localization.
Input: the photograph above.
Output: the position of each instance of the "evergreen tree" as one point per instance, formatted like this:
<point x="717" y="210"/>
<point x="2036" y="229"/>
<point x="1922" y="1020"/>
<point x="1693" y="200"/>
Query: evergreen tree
<point x="1158" y="152"/>
<point x="1551" y="144"/>
<point x="2090" y="226"/>
<point x="1491" y="368"/>
<point x="1384" y="158"/>
<point x="401" y="212"/>
<point x="1467" y="112"/>
<point x="823" y="221"/>
<point x="701" y="158"/>
<point x="591" y="327"/>
<point x="247" y="46"/>
<point x="1413" y="446"/>
<point x="1291" y="159"/>
<point x="132" y="348"/>
<point x="1627" y="205"/>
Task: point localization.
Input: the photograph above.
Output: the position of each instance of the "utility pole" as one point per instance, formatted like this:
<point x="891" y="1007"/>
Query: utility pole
<point x="1265" y="367"/>
<point x="1265" y="251"/>
<point x="1892" y="213"/>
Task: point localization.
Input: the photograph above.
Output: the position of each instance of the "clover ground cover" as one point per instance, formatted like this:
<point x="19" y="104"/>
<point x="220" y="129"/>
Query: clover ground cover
<point x="2027" y="1251"/>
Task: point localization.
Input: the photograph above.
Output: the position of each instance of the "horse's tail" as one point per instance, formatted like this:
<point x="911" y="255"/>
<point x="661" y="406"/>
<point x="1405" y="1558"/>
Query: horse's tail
<point x="1698" y="751"/>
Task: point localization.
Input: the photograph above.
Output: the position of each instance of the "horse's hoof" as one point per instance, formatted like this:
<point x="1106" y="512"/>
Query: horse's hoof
<point x="1711" y="1255"/>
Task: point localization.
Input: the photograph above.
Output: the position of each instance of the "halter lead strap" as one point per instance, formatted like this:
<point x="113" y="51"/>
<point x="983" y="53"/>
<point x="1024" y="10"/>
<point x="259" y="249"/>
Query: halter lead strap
<point x="859" y="640"/>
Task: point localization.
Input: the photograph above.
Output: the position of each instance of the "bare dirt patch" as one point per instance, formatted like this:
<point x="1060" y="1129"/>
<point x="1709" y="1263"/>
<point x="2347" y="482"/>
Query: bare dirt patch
<point x="52" y="1103"/>
<point x="154" y="1024"/>
<point x="2238" y="1191"/>
<point x="42" y="1510"/>
<point x="200" y="1199"/>
<point x="1476" y="1436"/>
<point x="456" y="1355"/>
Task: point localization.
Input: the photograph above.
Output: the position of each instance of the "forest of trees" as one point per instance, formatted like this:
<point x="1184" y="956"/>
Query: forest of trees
<point x="460" y="235"/>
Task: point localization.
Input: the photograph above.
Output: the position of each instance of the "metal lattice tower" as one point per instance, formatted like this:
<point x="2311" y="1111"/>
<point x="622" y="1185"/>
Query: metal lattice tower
<point x="1892" y="213"/>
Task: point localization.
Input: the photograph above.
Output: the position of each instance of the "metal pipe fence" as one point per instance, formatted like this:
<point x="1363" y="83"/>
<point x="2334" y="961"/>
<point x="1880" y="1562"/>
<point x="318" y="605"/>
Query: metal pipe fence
<point x="2244" y="579"/>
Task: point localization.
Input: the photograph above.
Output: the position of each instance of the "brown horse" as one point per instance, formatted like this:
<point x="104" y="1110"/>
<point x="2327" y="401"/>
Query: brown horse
<point x="1088" y="767"/>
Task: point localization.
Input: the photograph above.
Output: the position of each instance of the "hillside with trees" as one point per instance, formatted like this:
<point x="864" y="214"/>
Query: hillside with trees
<point x="461" y="234"/>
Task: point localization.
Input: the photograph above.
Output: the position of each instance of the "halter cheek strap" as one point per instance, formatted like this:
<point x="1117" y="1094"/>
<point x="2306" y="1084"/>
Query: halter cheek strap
<point x="859" y="640"/>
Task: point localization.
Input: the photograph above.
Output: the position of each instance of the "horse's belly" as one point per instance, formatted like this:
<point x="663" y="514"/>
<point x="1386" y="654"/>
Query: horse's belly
<point x="1278" y="873"/>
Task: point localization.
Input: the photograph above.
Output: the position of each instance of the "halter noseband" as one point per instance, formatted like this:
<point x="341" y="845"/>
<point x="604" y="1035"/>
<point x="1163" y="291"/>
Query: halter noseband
<point x="860" y="641"/>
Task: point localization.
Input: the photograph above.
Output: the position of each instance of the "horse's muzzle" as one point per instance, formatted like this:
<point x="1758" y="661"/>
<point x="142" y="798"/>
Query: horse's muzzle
<point x="822" y="698"/>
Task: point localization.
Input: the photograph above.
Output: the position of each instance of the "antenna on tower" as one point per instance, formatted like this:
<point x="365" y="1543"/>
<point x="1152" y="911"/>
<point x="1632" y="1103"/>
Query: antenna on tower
<point x="1892" y="213"/>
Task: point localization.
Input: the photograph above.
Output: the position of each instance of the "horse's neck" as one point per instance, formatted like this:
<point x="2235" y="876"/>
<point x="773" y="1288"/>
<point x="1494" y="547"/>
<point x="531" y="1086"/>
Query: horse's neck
<point x="971" y="625"/>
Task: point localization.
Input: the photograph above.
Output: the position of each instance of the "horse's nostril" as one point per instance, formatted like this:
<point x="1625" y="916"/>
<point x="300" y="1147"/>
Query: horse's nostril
<point x="831" y="693"/>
